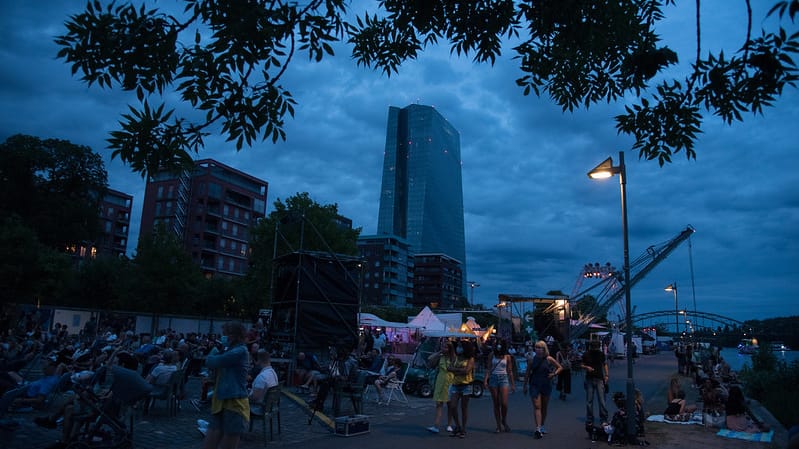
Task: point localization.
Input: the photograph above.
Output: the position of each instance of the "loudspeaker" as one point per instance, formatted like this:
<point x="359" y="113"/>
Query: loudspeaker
<point x="316" y="300"/>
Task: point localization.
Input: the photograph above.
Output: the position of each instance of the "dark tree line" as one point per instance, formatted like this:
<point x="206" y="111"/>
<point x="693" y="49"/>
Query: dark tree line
<point x="50" y="191"/>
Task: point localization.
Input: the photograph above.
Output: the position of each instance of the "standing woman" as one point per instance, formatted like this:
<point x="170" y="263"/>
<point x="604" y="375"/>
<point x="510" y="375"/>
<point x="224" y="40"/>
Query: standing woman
<point x="441" y="360"/>
<point x="498" y="379"/>
<point x="462" y="369"/>
<point x="540" y="371"/>
<point x="565" y="377"/>
<point x="229" y="407"/>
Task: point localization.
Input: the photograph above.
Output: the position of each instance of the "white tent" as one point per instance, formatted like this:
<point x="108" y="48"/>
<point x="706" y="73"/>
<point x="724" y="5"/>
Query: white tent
<point x="371" y="320"/>
<point x="427" y="320"/>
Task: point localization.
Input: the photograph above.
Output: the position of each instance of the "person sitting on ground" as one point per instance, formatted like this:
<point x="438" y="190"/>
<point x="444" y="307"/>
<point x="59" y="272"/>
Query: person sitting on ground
<point x="739" y="418"/>
<point x="677" y="410"/>
<point x="675" y="393"/>
<point x="712" y="400"/>
<point x="392" y="373"/>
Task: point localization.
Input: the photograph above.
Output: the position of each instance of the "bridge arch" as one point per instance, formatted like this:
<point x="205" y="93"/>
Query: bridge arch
<point x="667" y="318"/>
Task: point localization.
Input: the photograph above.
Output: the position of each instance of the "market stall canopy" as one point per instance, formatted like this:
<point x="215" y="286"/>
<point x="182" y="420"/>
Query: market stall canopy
<point x="428" y="321"/>
<point x="368" y="319"/>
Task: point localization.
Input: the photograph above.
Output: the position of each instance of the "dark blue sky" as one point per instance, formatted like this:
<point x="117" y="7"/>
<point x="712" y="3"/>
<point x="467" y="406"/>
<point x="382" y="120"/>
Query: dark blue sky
<point x="533" y="218"/>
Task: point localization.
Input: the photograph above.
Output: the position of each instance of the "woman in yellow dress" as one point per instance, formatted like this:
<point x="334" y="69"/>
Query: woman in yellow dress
<point x="441" y="359"/>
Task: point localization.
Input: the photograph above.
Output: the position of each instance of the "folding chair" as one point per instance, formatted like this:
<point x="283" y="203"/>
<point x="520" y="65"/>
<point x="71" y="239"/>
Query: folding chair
<point x="394" y="387"/>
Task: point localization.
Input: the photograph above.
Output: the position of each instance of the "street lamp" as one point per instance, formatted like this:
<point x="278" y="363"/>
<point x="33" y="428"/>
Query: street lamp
<point x="673" y="288"/>
<point x="602" y="171"/>
<point x="473" y="285"/>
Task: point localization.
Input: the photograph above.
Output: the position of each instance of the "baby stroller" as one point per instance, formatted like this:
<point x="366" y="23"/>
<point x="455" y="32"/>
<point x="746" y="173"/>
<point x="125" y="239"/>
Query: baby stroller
<point x="100" y="423"/>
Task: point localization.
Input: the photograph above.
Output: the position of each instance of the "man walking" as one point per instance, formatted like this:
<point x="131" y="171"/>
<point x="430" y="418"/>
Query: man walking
<point x="596" y="379"/>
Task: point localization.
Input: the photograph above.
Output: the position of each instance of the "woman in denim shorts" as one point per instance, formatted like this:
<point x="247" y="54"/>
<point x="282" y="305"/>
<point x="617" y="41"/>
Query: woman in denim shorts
<point x="499" y="379"/>
<point x="462" y="369"/>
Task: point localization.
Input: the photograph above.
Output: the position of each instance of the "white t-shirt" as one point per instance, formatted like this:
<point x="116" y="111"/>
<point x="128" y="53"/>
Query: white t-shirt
<point x="161" y="373"/>
<point x="265" y="380"/>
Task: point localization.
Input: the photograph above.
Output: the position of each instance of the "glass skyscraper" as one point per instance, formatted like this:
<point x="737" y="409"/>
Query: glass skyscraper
<point x="421" y="199"/>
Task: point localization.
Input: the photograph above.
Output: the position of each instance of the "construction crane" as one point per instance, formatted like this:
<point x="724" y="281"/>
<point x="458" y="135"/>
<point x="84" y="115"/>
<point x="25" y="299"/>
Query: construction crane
<point x="611" y="282"/>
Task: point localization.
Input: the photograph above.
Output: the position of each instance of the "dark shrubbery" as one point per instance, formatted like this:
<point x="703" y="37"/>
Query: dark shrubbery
<point x="775" y="384"/>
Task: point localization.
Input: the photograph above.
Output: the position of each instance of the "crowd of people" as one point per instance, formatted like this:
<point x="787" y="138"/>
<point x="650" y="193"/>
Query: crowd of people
<point x="236" y="370"/>
<point x="42" y="366"/>
<point x="719" y="390"/>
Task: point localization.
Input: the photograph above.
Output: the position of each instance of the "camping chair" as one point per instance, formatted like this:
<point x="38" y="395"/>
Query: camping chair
<point x="269" y="409"/>
<point x="394" y="387"/>
<point x="371" y="376"/>
<point x="167" y="392"/>
<point x="353" y="390"/>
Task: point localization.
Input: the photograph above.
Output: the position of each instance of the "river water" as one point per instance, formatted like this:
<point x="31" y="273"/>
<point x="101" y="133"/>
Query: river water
<point x="737" y="361"/>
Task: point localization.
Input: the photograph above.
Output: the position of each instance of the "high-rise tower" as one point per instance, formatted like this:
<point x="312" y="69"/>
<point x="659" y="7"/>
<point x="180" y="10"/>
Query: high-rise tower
<point x="421" y="199"/>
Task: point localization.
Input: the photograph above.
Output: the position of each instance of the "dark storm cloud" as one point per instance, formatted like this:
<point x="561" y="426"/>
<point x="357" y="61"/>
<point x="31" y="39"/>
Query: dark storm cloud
<point x="533" y="218"/>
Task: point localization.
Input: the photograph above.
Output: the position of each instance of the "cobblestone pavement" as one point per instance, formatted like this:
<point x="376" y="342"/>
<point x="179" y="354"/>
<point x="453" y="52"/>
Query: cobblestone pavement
<point x="403" y="425"/>
<point x="159" y="430"/>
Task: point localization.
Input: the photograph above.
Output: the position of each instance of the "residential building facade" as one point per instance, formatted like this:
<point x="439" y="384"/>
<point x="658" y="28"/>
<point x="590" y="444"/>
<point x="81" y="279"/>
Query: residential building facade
<point x="387" y="277"/>
<point x="115" y="207"/>
<point x="437" y="281"/>
<point x="211" y="209"/>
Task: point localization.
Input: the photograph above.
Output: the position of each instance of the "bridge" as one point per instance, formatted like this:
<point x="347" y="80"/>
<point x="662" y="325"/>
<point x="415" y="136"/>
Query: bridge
<point x="685" y="318"/>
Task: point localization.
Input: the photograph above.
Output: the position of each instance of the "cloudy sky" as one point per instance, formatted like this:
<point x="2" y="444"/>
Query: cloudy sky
<point x="533" y="218"/>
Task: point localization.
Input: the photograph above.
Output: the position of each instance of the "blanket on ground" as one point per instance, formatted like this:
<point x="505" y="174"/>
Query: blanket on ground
<point x="763" y="437"/>
<point x="696" y="418"/>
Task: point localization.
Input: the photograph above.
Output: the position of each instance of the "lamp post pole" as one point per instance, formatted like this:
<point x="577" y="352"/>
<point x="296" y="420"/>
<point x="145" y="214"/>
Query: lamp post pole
<point x="605" y="170"/>
<point x="627" y="301"/>
<point x="673" y="288"/>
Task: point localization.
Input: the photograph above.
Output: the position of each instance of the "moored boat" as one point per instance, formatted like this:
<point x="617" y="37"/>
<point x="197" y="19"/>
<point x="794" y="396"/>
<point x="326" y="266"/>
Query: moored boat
<point x="748" y="346"/>
<point x="779" y="346"/>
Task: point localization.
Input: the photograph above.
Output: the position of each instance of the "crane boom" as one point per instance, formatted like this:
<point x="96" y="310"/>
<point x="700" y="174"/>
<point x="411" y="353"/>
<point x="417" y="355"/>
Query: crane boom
<point x="649" y="259"/>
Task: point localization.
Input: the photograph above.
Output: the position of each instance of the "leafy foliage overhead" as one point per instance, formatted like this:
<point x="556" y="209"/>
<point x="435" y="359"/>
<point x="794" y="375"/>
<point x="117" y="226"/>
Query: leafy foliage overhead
<point x="227" y="59"/>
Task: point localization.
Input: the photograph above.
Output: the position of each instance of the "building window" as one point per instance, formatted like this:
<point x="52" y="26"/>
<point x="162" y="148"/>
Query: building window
<point x="226" y="210"/>
<point x="160" y="193"/>
<point x="222" y="243"/>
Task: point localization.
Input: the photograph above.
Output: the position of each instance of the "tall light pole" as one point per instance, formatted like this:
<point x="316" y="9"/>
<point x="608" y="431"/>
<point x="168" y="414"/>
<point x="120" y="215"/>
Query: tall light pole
<point x="673" y="288"/>
<point x="607" y="170"/>
<point x="473" y="285"/>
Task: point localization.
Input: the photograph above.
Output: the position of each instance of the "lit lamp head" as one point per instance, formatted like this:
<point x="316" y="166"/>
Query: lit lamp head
<point x="604" y="170"/>
<point x="671" y="288"/>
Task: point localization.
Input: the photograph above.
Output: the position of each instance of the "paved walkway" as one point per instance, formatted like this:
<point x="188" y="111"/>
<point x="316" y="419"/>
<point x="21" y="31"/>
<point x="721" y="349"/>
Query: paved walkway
<point x="403" y="425"/>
